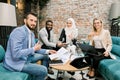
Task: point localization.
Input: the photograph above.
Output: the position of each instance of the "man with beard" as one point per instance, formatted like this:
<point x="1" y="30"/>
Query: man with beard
<point x="46" y="37"/>
<point x="22" y="52"/>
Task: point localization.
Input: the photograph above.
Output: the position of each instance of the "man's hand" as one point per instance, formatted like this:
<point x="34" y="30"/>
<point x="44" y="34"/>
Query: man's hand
<point x="60" y="44"/>
<point x="52" y="51"/>
<point x="65" y="44"/>
<point x="37" y="46"/>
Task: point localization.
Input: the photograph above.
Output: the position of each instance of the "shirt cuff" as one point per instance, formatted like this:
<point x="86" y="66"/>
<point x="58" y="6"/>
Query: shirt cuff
<point x="47" y="51"/>
<point x="33" y="49"/>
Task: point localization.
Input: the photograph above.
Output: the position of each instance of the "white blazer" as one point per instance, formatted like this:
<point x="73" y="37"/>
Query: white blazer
<point x="106" y="42"/>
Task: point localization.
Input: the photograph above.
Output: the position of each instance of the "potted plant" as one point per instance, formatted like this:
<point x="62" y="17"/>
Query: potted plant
<point x="116" y="21"/>
<point x="115" y="27"/>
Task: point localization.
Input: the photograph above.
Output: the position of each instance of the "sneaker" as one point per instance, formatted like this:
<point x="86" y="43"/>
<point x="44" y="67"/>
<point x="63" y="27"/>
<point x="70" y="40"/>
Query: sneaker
<point x="49" y="78"/>
<point x="50" y="71"/>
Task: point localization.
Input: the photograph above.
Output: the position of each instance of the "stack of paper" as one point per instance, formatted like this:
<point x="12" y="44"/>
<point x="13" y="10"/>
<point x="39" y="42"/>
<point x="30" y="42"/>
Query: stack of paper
<point x="62" y="54"/>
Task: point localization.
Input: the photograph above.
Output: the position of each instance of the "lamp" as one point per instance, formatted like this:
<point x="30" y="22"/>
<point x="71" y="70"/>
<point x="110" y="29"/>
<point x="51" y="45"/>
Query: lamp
<point x="7" y="15"/>
<point x="7" y="22"/>
<point x="114" y="11"/>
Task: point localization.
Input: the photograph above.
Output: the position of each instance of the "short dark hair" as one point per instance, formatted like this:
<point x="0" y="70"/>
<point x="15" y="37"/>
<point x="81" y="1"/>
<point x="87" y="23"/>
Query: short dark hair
<point x="32" y="13"/>
<point x="49" y="21"/>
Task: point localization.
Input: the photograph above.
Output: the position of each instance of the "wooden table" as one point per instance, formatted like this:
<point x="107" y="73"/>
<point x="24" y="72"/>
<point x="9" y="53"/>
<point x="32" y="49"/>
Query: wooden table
<point x="68" y="67"/>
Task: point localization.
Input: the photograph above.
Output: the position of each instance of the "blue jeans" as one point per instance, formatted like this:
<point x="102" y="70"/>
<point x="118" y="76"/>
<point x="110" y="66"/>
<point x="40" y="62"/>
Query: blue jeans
<point x="38" y="71"/>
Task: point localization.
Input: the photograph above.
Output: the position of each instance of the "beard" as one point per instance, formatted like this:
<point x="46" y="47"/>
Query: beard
<point x="31" y="28"/>
<point x="49" y="28"/>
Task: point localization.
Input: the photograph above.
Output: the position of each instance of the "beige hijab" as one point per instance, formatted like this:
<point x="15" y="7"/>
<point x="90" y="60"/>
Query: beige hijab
<point x="73" y="31"/>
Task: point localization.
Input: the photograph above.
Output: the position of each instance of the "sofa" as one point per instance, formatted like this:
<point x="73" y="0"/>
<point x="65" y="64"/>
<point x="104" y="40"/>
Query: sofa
<point x="109" y="68"/>
<point x="9" y="75"/>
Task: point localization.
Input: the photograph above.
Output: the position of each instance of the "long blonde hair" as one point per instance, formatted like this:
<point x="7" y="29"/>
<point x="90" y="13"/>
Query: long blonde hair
<point x="94" y="29"/>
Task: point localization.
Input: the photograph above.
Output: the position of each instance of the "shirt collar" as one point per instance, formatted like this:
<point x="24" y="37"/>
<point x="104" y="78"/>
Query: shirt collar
<point x="28" y="29"/>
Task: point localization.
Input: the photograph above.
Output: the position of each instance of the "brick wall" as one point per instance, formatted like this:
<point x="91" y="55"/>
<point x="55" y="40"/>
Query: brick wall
<point x="83" y="11"/>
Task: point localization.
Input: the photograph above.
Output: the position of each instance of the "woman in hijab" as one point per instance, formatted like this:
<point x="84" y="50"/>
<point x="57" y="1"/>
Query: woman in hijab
<point x="69" y="33"/>
<point x="68" y="36"/>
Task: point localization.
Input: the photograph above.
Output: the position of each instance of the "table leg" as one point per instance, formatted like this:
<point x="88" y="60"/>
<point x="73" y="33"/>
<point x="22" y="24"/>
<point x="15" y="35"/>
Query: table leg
<point x="82" y="75"/>
<point x="59" y="73"/>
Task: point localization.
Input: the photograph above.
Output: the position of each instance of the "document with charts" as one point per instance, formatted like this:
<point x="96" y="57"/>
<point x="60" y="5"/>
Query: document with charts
<point x="62" y="54"/>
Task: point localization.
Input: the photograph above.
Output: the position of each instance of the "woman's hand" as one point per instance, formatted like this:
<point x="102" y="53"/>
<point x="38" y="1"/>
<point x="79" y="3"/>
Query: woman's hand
<point x="106" y="54"/>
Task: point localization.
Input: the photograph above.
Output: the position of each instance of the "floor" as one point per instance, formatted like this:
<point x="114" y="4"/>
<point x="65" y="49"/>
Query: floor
<point x="77" y="76"/>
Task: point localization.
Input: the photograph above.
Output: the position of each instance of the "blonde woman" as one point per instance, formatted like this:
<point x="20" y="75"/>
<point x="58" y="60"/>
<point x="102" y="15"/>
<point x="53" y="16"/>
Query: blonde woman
<point x="101" y="40"/>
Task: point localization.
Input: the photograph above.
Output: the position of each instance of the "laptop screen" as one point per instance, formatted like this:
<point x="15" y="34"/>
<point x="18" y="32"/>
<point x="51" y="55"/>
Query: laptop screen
<point x="78" y="62"/>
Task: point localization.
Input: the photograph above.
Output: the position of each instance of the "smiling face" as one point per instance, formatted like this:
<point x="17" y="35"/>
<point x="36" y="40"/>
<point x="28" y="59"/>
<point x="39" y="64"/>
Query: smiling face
<point x="49" y="26"/>
<point x="69" y="23"/>
<point x="30" y="21"/>
<point x="97" y="24"/>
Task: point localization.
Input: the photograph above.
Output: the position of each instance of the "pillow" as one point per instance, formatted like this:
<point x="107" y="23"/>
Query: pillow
<point x="116" y="49"/>
<point x="2" y="53"/>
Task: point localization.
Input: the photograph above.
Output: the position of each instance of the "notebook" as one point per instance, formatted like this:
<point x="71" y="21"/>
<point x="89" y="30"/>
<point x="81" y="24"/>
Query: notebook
<point x="79" y="63"/>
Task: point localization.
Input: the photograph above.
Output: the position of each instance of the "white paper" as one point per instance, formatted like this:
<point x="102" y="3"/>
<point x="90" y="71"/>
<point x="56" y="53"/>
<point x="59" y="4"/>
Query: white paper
<point x="65" y="55"/>
<point x="59" y="53"/>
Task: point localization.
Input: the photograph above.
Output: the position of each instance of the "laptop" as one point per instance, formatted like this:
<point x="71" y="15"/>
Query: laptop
<point x="88" y="49"/>
<point x="79" y="63"/>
